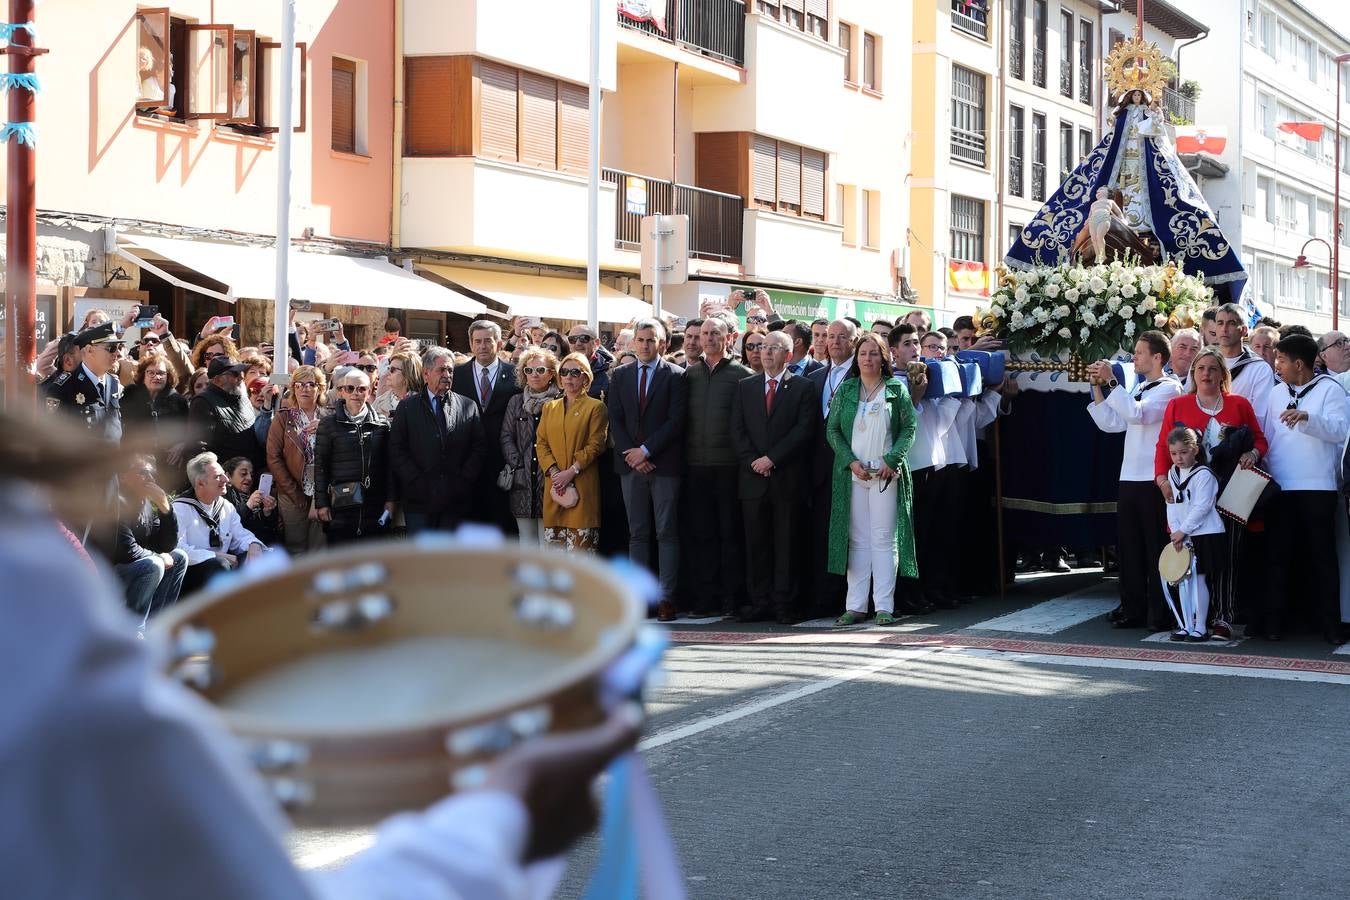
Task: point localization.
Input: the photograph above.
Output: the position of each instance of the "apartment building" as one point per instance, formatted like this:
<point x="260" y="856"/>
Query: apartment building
<point x="157" y="162"/>
<point x="1275" y="64"/>
<point x="778" y="128"/>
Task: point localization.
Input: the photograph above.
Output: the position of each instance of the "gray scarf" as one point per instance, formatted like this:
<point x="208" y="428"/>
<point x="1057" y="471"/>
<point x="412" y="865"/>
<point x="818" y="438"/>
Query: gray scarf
<point x="534" y="402"/>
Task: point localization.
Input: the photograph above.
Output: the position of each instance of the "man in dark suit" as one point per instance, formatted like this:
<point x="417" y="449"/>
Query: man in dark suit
<point x="436" y="448"/>
<point x="799" y="358"/>
<point x="827" y="589"/>
<point x="91" y="392"/>
<point x="771" y="428"/>
<point x="647" y="403"/>
<point x="489" y="383"/>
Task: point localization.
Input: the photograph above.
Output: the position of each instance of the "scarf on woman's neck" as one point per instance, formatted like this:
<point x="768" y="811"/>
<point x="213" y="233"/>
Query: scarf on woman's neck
<point x="534" y="400"/>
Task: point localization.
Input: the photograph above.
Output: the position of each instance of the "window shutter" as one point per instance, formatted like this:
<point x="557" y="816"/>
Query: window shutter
<point x="798" y="5"/>
<point x="344" y="106"/>
<point x="498" y="114"/>
<point x="574" y="127"/>
<point x="765" y="151"/>
<point x="428" y="100"/>
<point x="718" y="163"/>
<point x="813" y="183"/>
<point x="538" y="120"/>
<point x="818" y="8"/>
<point x="790" y="176"/>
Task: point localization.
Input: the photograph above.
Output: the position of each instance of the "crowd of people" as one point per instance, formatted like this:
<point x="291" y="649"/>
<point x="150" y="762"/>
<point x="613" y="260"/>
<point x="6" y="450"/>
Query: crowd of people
<point x="776" y="470"/>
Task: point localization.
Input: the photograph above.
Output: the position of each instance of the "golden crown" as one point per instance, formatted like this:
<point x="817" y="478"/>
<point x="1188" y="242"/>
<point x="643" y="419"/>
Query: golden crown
<point x="1134" y="65"/>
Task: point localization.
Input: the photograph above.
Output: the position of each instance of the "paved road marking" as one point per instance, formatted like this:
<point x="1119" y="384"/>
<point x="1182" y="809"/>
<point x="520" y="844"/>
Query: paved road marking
<point x="1054" y="616"/>
<point x="698" y="726"/>
<point x="907" y="623"/>
<point x="1148" y="665"/>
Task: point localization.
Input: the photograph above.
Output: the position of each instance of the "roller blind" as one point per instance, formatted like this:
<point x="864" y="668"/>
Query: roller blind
<point x="498" y="112"/>
<point x="790" y="175"/>
<point x="539" y="120"/>
<point x="574" y="127"/>
<point x="344" y="105"/>
<point x="813" y="183"/>
<point x="427" y="99"/>
<point x="765" y="168"/>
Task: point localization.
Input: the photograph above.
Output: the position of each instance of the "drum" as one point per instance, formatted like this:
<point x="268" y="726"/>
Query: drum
<point x="382" y="676"/>
<point x="1244" y="493"/>
<point x="1174" y="564"/>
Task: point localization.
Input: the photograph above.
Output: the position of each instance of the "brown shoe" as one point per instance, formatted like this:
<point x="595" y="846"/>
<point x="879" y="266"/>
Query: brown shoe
<point x="665" y="612"/>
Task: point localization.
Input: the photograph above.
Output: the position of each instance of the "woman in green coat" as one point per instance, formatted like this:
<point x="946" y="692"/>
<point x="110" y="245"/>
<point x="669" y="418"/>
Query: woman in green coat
<point x="871" y="428"/>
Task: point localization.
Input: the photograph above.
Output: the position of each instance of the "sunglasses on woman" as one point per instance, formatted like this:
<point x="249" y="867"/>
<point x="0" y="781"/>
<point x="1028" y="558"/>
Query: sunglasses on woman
<point x="367" y="368"/>
<point x="536" y="370"/>
<point x="570" y="373"/>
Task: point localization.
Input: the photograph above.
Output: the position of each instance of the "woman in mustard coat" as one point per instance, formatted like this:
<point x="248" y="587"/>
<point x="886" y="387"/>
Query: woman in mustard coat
<point x="573" y="432"/>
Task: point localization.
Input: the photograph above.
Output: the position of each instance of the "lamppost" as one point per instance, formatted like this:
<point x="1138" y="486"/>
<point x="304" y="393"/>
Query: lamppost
<point x="1336" y="221"/>
<point x="1301" y="262"/>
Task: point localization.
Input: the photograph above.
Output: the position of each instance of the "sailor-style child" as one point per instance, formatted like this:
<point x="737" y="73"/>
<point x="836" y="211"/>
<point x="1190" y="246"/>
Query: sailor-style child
<point x="1193" y="521"/>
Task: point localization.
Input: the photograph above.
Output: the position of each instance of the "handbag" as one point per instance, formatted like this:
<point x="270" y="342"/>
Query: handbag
<point x="347" y="494"/>
<point x="506" y="478"/>
<point x="567" y="497"/>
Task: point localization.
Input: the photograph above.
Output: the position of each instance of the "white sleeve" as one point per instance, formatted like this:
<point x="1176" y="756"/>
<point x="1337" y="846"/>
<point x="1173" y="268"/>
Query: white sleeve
<point x="240" y="537"/>
<point x="986" y="410"/>
<point x="947" y="408"/>
<point x="1261" y="378"/>
<point x="1204" y="491"/>
<point x="1148" y="410"/>
<point x="469" y="846"/>
<point x="1328" y="422"/>
<point x="1107" y="419"/>
<point x="186" y="515"/>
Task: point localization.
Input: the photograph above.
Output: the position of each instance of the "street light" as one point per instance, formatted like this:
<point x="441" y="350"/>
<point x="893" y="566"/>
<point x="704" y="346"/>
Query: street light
<point x="1336" y="221"/>
<point x="1301" y="262"/>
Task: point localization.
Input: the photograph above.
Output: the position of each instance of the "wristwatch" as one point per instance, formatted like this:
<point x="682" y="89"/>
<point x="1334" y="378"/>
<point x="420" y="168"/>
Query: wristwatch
<point x="1112" y="384"/>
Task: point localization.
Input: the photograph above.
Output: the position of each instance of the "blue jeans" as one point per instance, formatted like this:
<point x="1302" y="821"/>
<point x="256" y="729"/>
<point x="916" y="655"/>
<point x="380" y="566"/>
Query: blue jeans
<point x="152" y="585"/>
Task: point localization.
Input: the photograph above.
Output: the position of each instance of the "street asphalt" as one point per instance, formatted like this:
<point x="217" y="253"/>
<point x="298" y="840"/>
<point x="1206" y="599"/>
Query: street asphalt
<point x="802" y="763"/>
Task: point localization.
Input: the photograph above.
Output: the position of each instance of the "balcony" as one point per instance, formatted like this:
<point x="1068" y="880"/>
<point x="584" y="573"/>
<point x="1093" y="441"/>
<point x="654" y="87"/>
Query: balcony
<point x="716" y="221"/>
<point x="713" y="28"/>
<point x="1038" y="182"/>
<point x="1180" y="108"/>
<point x="1066" y="78"/>
<point x="968" y="146"/>
<point x="1017" y="58"/>
<point x="971" y="17"/>
<point x="1015" y="171"/>
<point x="1085" y="85"/>
<point x="1038" y="66"/>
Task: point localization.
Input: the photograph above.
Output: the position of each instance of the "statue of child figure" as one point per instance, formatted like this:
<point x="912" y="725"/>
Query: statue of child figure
<point x="1100" y="214"/>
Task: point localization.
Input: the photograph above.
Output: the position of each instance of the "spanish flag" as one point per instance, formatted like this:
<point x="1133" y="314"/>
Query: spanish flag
<point x="968" y="277"/>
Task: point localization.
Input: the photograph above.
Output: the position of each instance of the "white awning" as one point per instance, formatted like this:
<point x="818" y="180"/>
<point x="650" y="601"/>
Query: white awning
<point x="544" y="296"/>
<point x="318" y="277"/>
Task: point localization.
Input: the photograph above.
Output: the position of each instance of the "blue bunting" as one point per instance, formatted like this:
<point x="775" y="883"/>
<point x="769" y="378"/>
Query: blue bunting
<point x="23" y="132"/>
<point x="26" y="80"/>
<point x="7" y="30"/>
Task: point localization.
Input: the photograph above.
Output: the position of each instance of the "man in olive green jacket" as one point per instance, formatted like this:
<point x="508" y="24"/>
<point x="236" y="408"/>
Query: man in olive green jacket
<point x="711" y="477"/>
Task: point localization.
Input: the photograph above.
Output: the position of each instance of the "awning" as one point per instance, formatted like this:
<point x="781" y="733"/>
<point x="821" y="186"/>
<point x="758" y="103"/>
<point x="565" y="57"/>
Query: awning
<point x="318" y="277"/>
<point x="544" y="296"/>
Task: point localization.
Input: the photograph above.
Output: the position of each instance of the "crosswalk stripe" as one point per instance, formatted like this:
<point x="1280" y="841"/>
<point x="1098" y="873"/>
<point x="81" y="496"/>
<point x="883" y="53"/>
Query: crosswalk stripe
<point x="1054" y="616"/>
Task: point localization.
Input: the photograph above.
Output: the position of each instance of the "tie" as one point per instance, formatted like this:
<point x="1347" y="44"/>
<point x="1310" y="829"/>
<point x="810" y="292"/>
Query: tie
<point x="438" y="402"/>
<point x="642" y="390"/>
<point x="484" y="388"/>
<point x="768" y="397"/>
<point x="98" y="386"/>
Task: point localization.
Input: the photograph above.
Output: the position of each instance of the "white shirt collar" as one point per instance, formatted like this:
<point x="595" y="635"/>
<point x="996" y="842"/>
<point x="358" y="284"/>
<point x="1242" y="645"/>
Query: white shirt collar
<point x="491" y="370"/>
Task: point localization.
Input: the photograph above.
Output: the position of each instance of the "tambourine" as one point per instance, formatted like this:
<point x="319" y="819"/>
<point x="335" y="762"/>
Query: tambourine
<point x="1174" y="563"/>
<point x="1247" y="492"/>
<point x="380" y="677"/>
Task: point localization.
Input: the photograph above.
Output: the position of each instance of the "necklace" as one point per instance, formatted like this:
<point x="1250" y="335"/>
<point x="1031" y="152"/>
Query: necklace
<point x="868" y="395"/>
<point x="1214" y="411"/>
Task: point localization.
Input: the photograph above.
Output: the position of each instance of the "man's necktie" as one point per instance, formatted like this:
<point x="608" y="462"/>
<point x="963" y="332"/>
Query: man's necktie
<point x="642" y="389"/>
<point x="484" y="388"/>
<point x="768" y="398"/>
<point x="439" y="404"/>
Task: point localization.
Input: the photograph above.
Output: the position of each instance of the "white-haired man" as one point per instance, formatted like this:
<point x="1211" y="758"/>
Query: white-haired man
<point x="209" y="529"/>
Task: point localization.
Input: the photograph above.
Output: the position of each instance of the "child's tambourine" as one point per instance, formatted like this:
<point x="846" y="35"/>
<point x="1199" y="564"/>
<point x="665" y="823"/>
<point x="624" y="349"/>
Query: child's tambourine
<point x="1174" y="563"/>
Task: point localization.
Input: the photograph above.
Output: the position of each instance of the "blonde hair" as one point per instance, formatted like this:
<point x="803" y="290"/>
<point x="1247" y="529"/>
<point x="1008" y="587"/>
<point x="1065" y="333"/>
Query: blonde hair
<point x="583" y="364"/>
<point x="307" y="373"/>
<point x="1226" y="378"/>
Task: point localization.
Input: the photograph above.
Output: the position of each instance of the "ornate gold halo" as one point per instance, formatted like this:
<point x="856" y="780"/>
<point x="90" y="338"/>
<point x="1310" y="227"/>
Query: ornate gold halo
<point x="1134" y="65"/>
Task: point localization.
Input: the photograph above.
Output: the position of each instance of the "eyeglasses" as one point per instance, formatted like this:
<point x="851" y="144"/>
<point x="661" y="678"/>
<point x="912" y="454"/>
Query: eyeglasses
<point x="757" y="320"/>
<point x="366" y="369"/>
<point x="1336" y="344"/>
<point x="210" y="356"/>
<point x="570" y="373"/>
<point x="355" y="388"/>
<point x="580" y="339"/>
<point x="149" y="340"/>
<point x="552" y="348"/>
<point x="753" y="346"/>
<point x="536" y="370"/>
<point x="112" y="347"/>
<point x="305" y="384"/>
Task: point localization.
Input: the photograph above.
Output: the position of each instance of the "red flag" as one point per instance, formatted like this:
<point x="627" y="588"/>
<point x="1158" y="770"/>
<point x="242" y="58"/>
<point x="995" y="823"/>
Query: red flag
<point x="1201" y="139"/>
<point x="1309" y="131"/>
<point x="968" y="277"/>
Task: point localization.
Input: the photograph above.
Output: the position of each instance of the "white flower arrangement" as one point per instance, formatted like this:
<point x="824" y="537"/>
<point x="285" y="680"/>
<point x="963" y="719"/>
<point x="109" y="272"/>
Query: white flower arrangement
<point x="1089" y="310"/>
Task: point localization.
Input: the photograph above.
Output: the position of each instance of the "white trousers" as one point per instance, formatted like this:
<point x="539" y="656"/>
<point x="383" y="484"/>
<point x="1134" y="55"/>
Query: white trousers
<point x="871" y="548"/>
<point x="531" y="534"/>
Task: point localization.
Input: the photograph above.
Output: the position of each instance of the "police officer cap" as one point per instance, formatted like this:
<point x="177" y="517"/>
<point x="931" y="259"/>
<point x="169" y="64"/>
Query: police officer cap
<point x="222" y="364"/>
<point x="98" y="334"/>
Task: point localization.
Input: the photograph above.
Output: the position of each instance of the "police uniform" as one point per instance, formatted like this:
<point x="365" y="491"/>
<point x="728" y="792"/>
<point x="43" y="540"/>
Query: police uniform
<point x="95" y="401"/>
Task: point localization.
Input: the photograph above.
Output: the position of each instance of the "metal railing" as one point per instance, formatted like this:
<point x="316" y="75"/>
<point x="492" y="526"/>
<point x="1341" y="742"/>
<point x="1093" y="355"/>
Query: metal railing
<point x="714" y="28"/>
<point x="1066" y="78"/>
<point x="970" y="18"/>
<point x="1179" y="107"/>
<point x="968" y="145"/>
<point x="1017" y="61"/>
<point x="1016" y="168"/>
<point x="716" y="220"/>
<point x="1038" y="66"/>
<point x="1038" y="181"/>
<point x="1084" y="85"/>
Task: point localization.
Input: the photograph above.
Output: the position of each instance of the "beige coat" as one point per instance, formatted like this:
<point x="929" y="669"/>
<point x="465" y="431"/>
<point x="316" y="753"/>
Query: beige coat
<point x="576" y="435"/>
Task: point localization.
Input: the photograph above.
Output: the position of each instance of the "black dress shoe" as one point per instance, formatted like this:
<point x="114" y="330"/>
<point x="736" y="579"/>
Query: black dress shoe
<point x="788" y="618"/>
<point x="1116" y="614"/>
<point x="913" y="607"/>
<point x="1274" y="636"/>
<point x="753" y="614"/>
<point x="1060" y="565"/>
<point x="1128" y="623"/>
<point x="1178" y="636"/>
<point x="1333" y="635"/>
